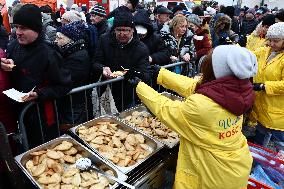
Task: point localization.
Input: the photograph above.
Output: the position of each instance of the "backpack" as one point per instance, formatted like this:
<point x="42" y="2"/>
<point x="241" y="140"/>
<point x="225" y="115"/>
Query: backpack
<point x="91" y="39"/>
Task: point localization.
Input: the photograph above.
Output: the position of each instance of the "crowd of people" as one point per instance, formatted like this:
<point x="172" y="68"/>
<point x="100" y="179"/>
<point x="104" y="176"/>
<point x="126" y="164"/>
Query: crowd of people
<point x="238" y="52"/>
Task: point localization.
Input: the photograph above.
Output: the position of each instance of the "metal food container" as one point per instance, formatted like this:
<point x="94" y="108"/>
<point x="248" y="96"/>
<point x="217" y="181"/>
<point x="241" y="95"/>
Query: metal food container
<point x="155" y="145"/>
<point x="22" y="159"/>
<point x="142" y="108"/>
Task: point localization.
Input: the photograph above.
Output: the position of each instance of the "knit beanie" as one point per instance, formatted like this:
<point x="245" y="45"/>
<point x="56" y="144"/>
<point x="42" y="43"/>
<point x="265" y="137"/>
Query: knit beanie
<point x="276" y="31"/>
<point x="72" y="16"/>
<point x="29" y="15"/>
<point x="123" y="18"/>
<point x="193" y="18"/>
<point x="134" y="3"/>
<point x="177" y="8"/>
<point x="268" y="20"/>
<point x="98" y="10"/>
<point x="74" y="30"/>
<point x="233" y="60"/>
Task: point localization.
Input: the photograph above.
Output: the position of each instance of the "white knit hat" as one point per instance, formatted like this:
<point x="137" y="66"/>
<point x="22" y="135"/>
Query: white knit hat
<point x="276" y="31"/>
<point x="72" y="16"/>
<point x="233" y="60"/>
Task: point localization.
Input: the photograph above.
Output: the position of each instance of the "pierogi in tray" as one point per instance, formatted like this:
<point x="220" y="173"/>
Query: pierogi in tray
<point x="54" y="168"/>
<point x="123" y="148"/>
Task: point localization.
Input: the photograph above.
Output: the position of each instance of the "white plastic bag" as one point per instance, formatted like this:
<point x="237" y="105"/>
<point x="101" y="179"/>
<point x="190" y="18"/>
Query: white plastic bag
<point x="107" y="104"/>
<point x="96" y="103"/>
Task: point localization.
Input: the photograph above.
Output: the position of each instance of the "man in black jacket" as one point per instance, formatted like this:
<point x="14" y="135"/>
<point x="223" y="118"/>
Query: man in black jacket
<point x="159" y="53"/>
<point x="33" y="63"/>
<point x="162" y="17"/>
<point x="98" y="19"/>
<point x="36" y="63"/>
<point x="118" y="49"/>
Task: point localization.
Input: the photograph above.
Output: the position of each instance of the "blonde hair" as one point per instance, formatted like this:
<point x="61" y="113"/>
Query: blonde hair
<point x="177" y="20"/>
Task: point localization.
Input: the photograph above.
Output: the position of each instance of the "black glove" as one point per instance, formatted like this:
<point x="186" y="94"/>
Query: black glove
<point x="154" y="71"/>
<point x="131" y="74"/>
<point x="134" y="81"/>
<point x="258" y="87"/>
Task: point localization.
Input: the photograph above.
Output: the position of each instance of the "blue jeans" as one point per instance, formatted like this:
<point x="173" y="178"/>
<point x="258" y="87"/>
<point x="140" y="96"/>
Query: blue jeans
<point x="262" y="133"/>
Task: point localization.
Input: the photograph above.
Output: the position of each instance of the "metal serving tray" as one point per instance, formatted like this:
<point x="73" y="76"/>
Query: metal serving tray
<point x="142" y="108"/>
<point x="22" y="159"/>
<point x="155" y="145"/>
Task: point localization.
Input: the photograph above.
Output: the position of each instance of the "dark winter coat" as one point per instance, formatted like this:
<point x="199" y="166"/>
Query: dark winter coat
<point x="102" y="27"/>
<point x="76" y="60"/>
<point x="157" y="27"/>
<point x="38" y="65"/>
<point x="235" y="25"/>
<point x="133" y="56"/>
<point x="158" y="51"/>
<point x="248" y="26"/>
<point x="4" y="38"/>
<point x="203" y="46"/>
<point x="186" y="43"/>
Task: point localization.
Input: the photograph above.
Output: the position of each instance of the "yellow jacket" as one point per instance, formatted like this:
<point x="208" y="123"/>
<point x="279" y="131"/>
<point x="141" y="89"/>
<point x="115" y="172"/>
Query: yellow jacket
<point x="269" y="104"/>
<point x="213" y="152"/>
<point x="254" y="42"/>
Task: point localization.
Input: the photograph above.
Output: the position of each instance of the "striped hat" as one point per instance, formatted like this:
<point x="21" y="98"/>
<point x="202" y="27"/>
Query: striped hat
<point x="98" y="10"/>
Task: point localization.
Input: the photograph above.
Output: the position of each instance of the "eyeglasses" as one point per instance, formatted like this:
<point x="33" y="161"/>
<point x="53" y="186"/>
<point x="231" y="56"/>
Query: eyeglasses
<point x="122" y="30"/>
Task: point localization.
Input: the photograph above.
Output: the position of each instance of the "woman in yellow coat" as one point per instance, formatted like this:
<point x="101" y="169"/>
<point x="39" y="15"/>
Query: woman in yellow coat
<point x="213" y="152"/>
<point x="269" y="84"/>
<point x="257" y="38"/>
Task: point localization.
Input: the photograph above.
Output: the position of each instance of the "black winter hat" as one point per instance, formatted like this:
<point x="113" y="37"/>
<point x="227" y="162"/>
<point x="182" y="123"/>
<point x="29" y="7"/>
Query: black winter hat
<point x="280" y="16"/>
<point x="177" y="8"/>
<point x="230" y="11"/>
<point x="142" y="18"/>
<point x="156" y="9"/>
<point x="46" y="9"/>
<point x="123" y="18"/>
<point x="29" y="15"/>
<point x="268" y="20"/>
<point x="134" y="3"/>
<point x="164" y="10"/>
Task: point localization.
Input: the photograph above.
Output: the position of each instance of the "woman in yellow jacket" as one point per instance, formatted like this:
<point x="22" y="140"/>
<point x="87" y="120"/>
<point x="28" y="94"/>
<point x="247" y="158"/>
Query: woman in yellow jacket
<point x="213" y="152"/>
<point x="269" y="84"/>
<point x="257" y="38"/>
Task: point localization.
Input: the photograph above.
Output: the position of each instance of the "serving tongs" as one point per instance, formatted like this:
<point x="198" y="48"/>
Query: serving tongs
<point x="85" y="164"/>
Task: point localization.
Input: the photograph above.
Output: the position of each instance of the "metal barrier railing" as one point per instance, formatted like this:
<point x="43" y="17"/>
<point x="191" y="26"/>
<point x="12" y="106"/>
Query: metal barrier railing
<point x="86" y="90"/>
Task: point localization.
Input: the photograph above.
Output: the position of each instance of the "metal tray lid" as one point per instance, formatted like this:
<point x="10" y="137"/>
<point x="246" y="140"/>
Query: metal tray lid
<point x="155" y="145"/>
<point x="24" y="157"/>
